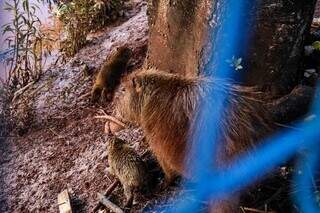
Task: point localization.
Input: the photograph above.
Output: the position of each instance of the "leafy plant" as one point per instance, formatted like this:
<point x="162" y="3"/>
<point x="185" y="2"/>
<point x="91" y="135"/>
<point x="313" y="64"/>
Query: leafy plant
<point x="316" y="45"/>
<point x="26" y="40"/>
<point x="235" y="63"/>
<point x="75" y="18"/>
<point x="83" y="16"/>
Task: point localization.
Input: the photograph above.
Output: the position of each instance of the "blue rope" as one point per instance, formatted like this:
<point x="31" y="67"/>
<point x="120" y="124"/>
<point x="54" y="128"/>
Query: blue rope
<point x="4" y="54"/>
<point x="272" y="152"/>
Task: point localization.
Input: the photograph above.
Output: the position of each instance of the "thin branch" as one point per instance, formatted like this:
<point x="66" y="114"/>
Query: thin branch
<point x="108" y="192"/>
<point x="111" y="188"/>
<point x="84" y="95"/>
<point x="107" y="203"/>
<point x="20" y="91"/>
<point x="255" y="210"/>
<point x="110" y="118"/>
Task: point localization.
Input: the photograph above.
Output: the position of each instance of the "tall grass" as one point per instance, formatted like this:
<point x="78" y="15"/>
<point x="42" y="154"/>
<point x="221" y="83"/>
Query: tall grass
<point x="79" y="17"/>
<point x="24" y="37"/>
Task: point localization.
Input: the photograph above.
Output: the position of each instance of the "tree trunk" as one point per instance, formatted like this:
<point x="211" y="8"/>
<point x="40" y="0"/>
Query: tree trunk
<point x="179" y="35"/>
<point x="278" y="41"/>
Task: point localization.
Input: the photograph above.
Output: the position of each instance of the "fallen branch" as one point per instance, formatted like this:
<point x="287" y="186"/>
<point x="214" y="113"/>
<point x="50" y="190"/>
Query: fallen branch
<point x="111" y="188"/>
<point x="110" y="118"/>
<point x="56" y="134"/>
<point x="255" y="210"/>
<point x="20" y="91"/>
<point x="37" y="89"/>
<point x="64" y="202"/>
<point x="108" y="192"/>
<point x="107" y="203"/>
<point x="84" y="95"/>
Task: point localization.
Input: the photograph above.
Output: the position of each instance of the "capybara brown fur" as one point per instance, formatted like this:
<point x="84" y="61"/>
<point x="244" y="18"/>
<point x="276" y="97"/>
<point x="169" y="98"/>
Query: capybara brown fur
<point x="166" y="107"/>
<point x="110" y="73"/>
<point x="128" y="167"/>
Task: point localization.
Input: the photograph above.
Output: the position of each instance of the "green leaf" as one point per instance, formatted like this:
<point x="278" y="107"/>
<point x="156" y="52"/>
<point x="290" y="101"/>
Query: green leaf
<point x="239" y="67"/>
<point x="316" y="45"/>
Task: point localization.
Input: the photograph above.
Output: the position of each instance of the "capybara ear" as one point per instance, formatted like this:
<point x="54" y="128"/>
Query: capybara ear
<point x="136" y="84"/>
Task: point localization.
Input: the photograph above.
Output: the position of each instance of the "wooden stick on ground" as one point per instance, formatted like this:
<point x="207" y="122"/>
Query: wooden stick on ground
<point x="64" y="202"/>
<point x="107" y="203"/>
<point x="255" y="210"/>
<point x="111" y="188"/>
<point x="20" y="91"/>
<point x="84" y="95"/>
<point x="110" y="118"/>
<point x="108" y="192"/>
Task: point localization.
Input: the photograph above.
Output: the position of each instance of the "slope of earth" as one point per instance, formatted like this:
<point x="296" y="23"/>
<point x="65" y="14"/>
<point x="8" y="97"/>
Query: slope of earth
<point x="60" y="144"/>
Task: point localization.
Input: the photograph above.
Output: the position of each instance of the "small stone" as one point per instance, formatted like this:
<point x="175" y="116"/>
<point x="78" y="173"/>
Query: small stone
<point x="307" y="75"/>
<point x="310" y="71"/>
<point x="308" y="50"/>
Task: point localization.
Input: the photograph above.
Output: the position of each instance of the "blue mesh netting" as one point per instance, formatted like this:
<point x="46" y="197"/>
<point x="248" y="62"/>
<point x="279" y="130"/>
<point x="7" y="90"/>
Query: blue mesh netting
<point x="273" y="151"/>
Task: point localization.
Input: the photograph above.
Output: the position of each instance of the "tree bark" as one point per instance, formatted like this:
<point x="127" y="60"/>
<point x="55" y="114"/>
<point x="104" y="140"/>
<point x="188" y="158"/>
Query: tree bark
<point x="180" y="42"/>
<point x="278" y="41"/>
<point x="177" y="34"/>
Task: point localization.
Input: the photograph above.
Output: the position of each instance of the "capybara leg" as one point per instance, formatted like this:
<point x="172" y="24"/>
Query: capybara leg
<point x="169" y="175"/>
<point x="128" y="192"/>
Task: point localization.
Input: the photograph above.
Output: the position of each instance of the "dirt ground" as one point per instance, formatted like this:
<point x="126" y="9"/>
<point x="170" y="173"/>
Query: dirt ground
<point x="64" y="146"/>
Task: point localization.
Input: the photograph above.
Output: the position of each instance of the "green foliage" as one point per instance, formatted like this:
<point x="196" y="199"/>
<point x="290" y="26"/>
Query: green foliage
<point x="25" y="38"/>
<point x="316" y="45"/>
<point x="235" y="63"/>
<point x="79" y="17"/>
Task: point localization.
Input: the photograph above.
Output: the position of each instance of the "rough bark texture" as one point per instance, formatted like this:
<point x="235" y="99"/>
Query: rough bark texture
<point x="317" y="10"/>
<point x="179" y="35"/>
<point x="278" y="43"/>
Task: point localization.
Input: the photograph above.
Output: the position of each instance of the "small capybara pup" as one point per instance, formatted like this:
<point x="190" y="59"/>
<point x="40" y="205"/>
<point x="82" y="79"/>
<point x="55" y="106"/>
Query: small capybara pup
<point x="128" y="167"/>
<point x="109" y="75"/>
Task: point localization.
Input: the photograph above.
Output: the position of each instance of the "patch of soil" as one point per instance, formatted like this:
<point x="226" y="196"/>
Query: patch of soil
<point x="65" y="146"/>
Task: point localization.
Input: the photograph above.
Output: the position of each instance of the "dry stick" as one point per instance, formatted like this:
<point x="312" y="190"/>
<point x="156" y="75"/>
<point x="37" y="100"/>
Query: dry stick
<point x="20" y="91"/>
<point x="84" y="95"/>
<point x="256" y="210"/>
<point x="110" y="118"/>
<point x="111" y="188"/>
<point x="37" y="89"/>
<point x="55" y="133"/>
<point x="107" y="203"/>
<point x="58" y="58"/>
<point x="64" y="202"/>
<point x="108" y="192"/>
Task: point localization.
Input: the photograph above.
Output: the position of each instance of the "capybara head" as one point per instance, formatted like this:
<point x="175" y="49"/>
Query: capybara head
<point x="115" y="143"/>
<point x="122" y="53"/>
<point x="145" y="90"/>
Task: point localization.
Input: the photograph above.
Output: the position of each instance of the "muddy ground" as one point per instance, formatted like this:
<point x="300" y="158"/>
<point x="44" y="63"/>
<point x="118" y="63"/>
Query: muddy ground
<point x="60" y="145"/>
